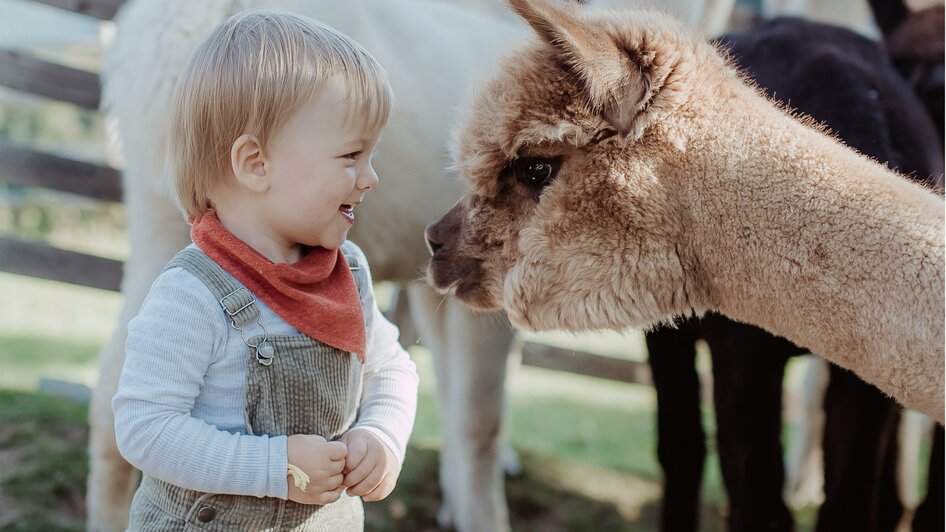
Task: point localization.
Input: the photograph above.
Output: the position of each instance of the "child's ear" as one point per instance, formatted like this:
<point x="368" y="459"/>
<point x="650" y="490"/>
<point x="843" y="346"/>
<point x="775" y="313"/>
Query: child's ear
<point x="248" y="163"/>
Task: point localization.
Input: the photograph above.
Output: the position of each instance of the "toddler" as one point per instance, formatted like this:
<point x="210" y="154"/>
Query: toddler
<point x="262" y="387"/>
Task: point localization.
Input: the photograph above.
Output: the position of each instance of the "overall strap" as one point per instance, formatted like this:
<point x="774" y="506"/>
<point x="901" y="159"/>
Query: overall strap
<point x="234" y="298"/>
<point x="358" y="272"/>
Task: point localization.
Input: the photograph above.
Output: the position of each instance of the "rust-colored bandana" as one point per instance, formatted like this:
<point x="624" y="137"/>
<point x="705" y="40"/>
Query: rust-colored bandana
<point x="316" y="295"/>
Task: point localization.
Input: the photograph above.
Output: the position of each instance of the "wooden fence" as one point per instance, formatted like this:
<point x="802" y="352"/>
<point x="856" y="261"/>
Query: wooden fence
<point x="28" y="168"/>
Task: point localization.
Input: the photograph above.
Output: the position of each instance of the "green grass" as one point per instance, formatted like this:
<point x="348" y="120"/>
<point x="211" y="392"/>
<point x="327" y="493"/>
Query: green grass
<point x="42" y="444"/>
<point x="52" y="329"/>
<point x="43" y="437"/>
<point x="587" y="444"/>
<point x="47" y="357"/>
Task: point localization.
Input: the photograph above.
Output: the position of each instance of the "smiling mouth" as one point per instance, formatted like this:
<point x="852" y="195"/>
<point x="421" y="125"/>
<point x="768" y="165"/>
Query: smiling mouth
<point x="348" y="212"/>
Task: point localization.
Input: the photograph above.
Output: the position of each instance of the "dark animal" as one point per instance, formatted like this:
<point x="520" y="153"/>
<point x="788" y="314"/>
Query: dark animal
<point x="914" y="43"/>
<point x="843" y="80"/>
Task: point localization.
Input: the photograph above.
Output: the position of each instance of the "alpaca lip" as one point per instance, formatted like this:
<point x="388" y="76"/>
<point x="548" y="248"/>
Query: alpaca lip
<point x="348" y="211"/>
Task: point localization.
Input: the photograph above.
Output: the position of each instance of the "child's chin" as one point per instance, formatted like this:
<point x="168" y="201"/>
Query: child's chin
<point x="335" y="243"/>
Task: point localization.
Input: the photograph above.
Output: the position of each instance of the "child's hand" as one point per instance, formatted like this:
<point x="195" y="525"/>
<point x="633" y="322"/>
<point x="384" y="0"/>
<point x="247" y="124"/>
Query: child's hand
<point x="323" y="461"/>
<point x="371" y="469"/>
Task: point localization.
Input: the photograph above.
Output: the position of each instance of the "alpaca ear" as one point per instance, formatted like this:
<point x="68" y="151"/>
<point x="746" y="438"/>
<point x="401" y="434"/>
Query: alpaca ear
<point x="617" y="81"/>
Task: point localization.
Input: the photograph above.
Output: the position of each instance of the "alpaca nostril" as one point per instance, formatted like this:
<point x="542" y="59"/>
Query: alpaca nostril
<point x="432" y="245"/>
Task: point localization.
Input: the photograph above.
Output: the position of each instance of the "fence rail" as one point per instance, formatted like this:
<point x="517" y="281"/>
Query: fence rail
<point x="29" y="168"/>
<point x="100" y="9"/>
<point x="25" y="73"/>
<point x="47" y="262"/>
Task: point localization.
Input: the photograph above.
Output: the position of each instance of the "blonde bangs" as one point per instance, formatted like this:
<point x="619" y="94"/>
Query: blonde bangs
<point x="369" y="92"/>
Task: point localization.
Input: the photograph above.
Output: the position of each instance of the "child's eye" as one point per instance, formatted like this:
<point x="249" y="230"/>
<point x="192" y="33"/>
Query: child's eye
<point x="353" y="155"/>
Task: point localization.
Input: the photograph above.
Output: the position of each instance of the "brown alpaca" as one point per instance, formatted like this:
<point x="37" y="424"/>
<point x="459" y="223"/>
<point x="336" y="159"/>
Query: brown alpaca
<point x="623" y="173"/>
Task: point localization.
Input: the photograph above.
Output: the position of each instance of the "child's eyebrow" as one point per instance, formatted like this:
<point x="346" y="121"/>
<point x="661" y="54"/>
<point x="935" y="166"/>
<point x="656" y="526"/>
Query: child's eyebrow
<point x="352" y="143"/>
<point x="360" y="141"/>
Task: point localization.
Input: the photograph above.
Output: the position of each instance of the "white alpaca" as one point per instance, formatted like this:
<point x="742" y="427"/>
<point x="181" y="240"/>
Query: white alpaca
<point x="432" y="52"/>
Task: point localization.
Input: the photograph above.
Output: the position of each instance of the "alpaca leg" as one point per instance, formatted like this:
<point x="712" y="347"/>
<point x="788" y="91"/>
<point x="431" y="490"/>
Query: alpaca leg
<point x="429" y="319"/>
<point x="804" y="469"/>
<point x="860" y="443"/>
<point x="681" y="443"/>
<point x="478" y="345"/>
<point x="748" y="365"/>
<point x="469" y="351"/>
<point x="929" y="515"/>
<point x="156" y="231"/>
<point x="399" y="313"/>
<point x="887" y="495"/>
<point x="112" y="480"/>
<point x="508" y="456"/>
<point x="914" y="429"/>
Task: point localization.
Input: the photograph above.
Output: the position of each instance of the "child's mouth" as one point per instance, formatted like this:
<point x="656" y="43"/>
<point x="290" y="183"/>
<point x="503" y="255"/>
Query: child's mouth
<point x="348" y="212"/>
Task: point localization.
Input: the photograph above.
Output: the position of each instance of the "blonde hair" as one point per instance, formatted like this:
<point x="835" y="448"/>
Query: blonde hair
<point x="248" y="77"/>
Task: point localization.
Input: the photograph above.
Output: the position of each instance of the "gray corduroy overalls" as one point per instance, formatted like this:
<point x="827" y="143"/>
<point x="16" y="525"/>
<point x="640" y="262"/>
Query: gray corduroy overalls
<point x="294" y="385"/>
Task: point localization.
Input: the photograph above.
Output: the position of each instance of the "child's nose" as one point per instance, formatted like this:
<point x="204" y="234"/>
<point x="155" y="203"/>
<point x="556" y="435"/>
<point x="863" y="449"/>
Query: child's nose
<point x="368" y="179"/>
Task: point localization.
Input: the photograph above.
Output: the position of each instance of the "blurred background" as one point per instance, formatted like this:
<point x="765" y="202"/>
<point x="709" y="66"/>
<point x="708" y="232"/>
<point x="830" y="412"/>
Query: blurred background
<point x="587" y="443"/>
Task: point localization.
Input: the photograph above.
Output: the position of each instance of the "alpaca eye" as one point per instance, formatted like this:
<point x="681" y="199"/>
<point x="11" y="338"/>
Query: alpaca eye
<point x="536" y="173"/>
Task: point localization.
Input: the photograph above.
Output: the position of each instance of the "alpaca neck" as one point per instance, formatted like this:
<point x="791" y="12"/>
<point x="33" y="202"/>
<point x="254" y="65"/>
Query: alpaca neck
<point x="805" y="238"/>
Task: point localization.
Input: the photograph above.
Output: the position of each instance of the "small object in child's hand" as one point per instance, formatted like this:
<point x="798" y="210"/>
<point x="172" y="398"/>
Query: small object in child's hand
<point x="299" y="478"/>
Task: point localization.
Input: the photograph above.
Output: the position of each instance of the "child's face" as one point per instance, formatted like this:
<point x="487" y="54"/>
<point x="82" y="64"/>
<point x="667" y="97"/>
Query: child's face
<point x="319" y="165"/>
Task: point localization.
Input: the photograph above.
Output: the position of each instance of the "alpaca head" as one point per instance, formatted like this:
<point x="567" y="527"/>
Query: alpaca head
<point x="572" y="152"/>
<point x="916" y="46"/>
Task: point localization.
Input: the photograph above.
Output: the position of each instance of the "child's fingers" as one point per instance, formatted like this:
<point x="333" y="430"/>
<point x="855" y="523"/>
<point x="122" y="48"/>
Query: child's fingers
<point x="335" y="481"/>
<point x="336" y="450"/>
<point x="369" y="483"/>
<point x="361" y="472"/>
<point x="335" y="467"/>
<point x="357" y="450"/>
<point x="328" y="497"/>
<point x="383" y="490"/>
